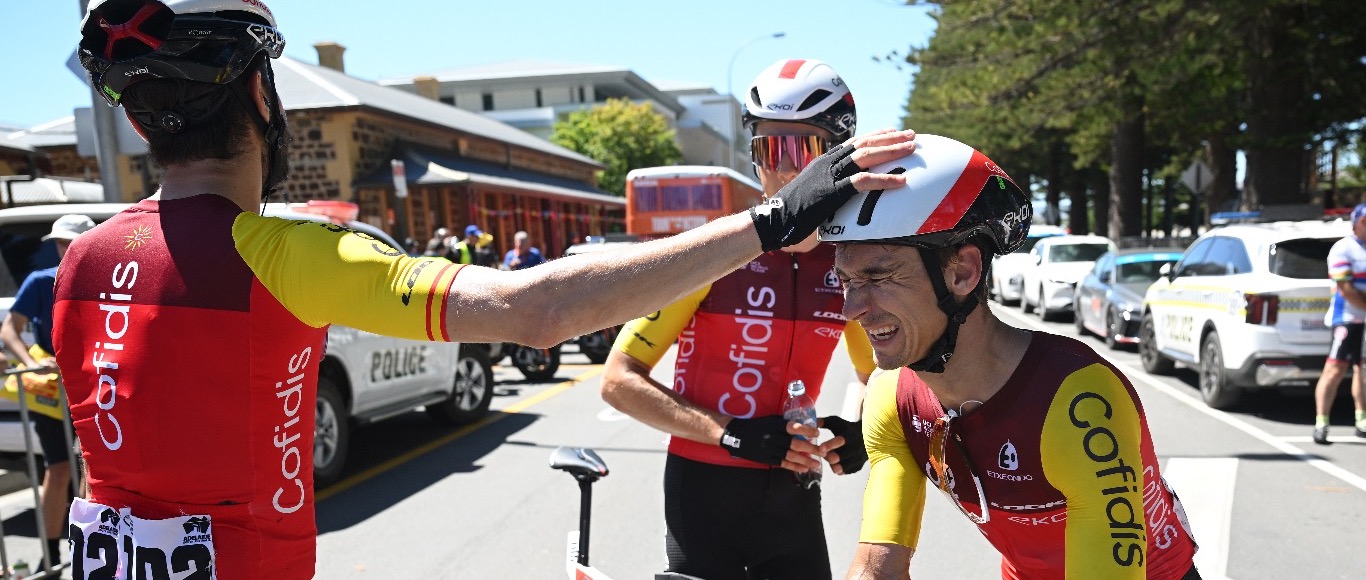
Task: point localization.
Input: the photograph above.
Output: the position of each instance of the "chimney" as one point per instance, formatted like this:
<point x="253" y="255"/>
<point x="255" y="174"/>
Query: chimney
<point x="330" y="55"/>
<point x="427" y="87"/>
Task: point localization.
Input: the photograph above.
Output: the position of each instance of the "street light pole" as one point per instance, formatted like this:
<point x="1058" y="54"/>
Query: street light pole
<point x="730" y="91"/>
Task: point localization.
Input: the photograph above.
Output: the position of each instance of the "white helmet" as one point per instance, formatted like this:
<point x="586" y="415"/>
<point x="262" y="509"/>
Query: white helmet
<point x="805" y="91"/>
<point x="952" y="193"/>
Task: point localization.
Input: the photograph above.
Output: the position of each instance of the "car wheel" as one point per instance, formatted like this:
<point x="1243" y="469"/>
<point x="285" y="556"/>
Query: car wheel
<point x="537" y="364"/>
<point x="331" y="434"/>
<point x="1153" y="361"/>
<point x="1024" y="302"/>
<point x="1041" y="308"/>
<point x="1214" y="385"/>
<point x="1077" y="319"/>
<point x="1111" y="330"/>
<point x="597" y="345"/>
<point x="469" y="400"/>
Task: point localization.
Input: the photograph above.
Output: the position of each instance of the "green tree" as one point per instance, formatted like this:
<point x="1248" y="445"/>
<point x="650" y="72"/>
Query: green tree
<point x="621" y="135"/>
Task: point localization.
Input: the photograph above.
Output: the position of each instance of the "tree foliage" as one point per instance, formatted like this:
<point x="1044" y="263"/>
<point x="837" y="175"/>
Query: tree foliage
<point x="1062" y="92"/>
<point x="621" y="135"/>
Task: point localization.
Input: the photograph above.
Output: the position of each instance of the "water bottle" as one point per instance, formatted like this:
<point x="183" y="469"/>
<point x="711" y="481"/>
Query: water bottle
<point x="798" y="407"/>
<point x="20" y="570"/>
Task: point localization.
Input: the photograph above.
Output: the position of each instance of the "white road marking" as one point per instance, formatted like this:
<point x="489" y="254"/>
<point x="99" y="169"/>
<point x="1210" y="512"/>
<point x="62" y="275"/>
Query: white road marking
<point x="610" y="414"/>
<point x="1205" y="486"/>
<point x="1138" y="375"/>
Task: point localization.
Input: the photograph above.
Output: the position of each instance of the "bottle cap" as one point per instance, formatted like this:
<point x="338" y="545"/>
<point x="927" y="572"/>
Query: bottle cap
<point x="796" y="388"/>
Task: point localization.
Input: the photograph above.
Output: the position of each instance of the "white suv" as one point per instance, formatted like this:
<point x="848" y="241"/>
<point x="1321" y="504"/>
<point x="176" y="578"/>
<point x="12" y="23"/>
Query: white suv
<point x="363" y="377"/>
<point x="1007" y="272"/>
<point x="1056" y="264"/>
<point x="1245" y="307"/>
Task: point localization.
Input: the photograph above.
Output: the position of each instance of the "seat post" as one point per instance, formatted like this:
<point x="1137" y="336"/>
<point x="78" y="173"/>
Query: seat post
<point x="585" y="515"/>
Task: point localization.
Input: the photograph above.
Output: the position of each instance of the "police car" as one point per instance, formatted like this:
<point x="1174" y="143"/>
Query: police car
<point x="1244" y="307"/>
<point x="363" y="377"/>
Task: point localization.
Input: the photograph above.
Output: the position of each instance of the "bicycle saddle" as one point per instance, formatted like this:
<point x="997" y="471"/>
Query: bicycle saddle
<point x="579" y="461"/>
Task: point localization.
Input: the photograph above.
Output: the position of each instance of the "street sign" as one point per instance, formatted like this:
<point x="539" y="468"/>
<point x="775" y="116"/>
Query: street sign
<point x="400" y="178"/>
<point x="1198" y="177"/>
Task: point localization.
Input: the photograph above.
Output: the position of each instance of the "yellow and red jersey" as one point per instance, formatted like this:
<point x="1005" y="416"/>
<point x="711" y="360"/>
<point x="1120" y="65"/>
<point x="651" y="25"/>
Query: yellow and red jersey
<point x="742" y="339"/>
<point x="189" y="334"/>
<point x="1064" y="459"/>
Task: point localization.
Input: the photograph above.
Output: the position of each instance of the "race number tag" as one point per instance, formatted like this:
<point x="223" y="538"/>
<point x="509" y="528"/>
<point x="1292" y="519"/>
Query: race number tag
<point x="110" y="544"/>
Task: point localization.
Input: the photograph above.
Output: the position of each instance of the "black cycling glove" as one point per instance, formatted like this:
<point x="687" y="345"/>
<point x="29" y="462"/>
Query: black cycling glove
<point x="762" y="439"/>
<point x="852" y="454"/>
<point x="816" y="193"/>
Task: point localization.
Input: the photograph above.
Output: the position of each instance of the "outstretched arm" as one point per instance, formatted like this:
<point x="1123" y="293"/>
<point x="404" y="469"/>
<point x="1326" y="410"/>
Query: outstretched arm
<point x="881" y="562"/>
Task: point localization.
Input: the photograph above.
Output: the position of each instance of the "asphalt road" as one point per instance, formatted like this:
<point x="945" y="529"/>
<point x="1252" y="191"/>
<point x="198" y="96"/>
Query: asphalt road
<point x="422" y="501"/>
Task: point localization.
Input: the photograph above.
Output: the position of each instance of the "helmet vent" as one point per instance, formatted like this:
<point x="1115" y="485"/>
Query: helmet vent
<point x="754" y="96"/>
<point x="814" y="99"/>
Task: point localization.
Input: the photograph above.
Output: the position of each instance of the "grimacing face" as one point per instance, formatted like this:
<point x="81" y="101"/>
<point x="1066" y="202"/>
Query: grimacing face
<point x="888" y="292"/>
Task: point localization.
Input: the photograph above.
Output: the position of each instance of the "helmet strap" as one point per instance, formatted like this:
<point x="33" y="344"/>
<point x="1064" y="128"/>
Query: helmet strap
<point x="274" y="129"/>
<point x="942" y="350"/>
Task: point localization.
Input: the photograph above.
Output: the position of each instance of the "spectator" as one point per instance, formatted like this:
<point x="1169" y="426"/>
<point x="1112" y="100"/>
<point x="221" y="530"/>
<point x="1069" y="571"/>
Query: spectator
<point x="437" y="245"/>
<point x="464" y="251"/>
<point x="33" y="304"/>
<point x="523" y="254"/>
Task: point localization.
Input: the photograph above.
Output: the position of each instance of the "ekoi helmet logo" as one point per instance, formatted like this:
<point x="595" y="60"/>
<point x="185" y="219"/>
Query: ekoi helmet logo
<point x="141" y="235"/>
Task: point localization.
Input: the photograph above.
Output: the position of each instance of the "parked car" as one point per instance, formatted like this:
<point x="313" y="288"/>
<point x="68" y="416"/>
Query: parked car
<point x="1109" y="300"/>
<point x="359" y="379"/>
<point x="1244" y="306"/>
<point x="1057" y="263"/>
<point x="1007" y="272"/>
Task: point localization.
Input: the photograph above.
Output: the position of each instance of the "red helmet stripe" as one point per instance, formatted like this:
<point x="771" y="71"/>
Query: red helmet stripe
<point x="790" y="69"/>
<point x="959" y="198"/>
<point x="130" y="29"/>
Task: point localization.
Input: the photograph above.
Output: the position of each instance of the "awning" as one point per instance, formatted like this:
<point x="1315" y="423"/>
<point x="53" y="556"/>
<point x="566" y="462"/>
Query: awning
<point x="432" y="168"/>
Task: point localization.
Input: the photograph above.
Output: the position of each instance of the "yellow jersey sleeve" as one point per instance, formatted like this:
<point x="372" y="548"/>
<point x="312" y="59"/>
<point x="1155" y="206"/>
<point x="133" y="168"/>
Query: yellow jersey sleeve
<point x="328" y="274"/>
<point x="894" y="501"/>
<point x="1091" y="450"/>
<point x="647" y="338"/>
<point x="860" y="349"/>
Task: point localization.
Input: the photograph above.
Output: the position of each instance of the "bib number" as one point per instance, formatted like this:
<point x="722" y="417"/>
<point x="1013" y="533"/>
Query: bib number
<point x="110" y="544"/>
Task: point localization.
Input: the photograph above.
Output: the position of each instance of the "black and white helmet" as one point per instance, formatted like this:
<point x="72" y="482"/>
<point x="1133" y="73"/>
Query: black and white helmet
<point x="805" y="91"/>
<point x="952" y="193"/>
<point x="124" y="42"/>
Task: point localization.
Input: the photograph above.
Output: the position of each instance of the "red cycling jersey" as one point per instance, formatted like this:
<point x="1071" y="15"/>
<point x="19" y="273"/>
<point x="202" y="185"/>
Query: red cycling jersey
<point x="189" y="334"/>
<point x="745" y="337"/>
<point x="1061" y="457"/>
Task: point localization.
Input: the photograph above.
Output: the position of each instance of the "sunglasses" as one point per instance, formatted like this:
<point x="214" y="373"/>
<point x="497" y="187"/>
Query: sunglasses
<point x="939" y="436"/>
<point x="768" y="151"/>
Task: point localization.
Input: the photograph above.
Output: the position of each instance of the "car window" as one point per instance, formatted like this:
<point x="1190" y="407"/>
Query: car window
<point x="1077" y="252"/>
<point x="22" y="251"/>
<point x="1191" y="263"/>
<point x="1104" y="266"/>
<point x="1140" y="271"/>
<point x="1226" y="257"/>
<point x="1304" y="258"/>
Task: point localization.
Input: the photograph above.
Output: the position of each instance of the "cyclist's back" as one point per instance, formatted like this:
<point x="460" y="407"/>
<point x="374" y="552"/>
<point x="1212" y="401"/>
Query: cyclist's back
<point x="188" y="380"/>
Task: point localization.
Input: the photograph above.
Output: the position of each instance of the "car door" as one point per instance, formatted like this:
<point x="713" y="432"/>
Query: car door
<point x="1091" y="293"/>
<point x="1174" y="312"/>
<point x="1218" y="296"/>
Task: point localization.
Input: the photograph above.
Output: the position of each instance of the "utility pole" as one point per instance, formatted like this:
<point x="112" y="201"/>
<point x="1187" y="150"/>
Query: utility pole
<point x="106" y="139"/>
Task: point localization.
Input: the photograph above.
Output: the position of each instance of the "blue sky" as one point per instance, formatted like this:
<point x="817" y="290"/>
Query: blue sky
<point x="662" y="41"/>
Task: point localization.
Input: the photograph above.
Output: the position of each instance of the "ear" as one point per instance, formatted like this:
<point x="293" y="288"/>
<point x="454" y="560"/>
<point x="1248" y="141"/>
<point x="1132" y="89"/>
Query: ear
<point x="256" y="86"/>
<point x="964" y="271"/>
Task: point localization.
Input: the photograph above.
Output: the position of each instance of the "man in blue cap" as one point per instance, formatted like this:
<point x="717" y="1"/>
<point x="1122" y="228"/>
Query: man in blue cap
<point x="464" y="251"/>
<point x="1347" y="317"/>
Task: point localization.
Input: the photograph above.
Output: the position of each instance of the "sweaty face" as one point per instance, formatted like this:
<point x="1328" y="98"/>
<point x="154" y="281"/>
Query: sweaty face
<point x="887" y="290"/>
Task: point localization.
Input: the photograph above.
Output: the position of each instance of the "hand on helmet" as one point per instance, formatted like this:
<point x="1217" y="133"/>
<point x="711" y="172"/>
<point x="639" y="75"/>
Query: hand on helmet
<point x="823" y="186"/>
<point x="772" y="440"/>
<point x="848" y="455"/>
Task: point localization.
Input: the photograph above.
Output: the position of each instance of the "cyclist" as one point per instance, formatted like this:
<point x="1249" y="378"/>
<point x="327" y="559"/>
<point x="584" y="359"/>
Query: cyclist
<point x="1033" y="436"/>
<point x="742" y="339"/>
<point x="189" y="328"/>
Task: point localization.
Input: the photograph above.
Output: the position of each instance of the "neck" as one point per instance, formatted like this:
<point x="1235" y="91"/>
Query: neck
<point x="238" y="179"/>
<point x="987" y="353"/>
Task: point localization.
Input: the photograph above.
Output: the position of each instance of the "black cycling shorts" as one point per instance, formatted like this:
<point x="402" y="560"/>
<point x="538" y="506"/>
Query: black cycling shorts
<point x="1346" y="343"/>
<point x="737" y="523"/>
<point x="51" y="438"/>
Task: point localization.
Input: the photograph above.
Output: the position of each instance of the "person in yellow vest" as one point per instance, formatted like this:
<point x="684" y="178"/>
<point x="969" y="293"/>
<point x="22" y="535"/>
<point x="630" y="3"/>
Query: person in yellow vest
<point x="464" y="251"/>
